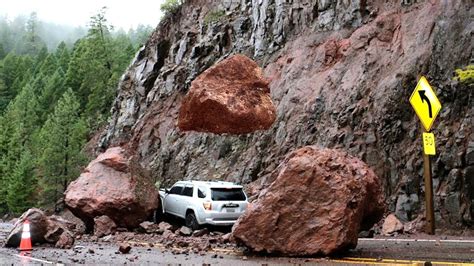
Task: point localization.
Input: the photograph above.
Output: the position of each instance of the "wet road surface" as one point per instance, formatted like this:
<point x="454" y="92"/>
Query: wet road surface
<point x="368" y="251"/>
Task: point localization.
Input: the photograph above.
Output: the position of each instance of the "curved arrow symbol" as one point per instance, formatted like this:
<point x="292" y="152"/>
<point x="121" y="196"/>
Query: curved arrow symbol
<point x="423" y="98"/>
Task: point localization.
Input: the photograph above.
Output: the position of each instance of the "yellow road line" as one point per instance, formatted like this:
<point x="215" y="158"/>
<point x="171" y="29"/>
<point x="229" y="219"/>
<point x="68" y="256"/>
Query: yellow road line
<point x="372" y="262"/>
<point x="395" y="261"/>
<point x="353" y="260"/>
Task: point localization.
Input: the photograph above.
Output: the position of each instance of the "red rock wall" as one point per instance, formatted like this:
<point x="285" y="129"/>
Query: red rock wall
<point x="341" y="75"/>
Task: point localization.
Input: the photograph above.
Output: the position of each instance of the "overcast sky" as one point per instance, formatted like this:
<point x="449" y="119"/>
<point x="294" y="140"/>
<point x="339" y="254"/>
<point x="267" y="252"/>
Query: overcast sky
<point x="120" y="13"/>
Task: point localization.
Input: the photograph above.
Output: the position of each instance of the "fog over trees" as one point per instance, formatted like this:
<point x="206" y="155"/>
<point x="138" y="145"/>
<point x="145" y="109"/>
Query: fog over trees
<point x="57" y="84"/>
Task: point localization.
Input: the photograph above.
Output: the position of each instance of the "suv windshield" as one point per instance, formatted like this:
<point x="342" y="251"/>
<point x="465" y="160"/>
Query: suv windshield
<point x="222" y="194"/>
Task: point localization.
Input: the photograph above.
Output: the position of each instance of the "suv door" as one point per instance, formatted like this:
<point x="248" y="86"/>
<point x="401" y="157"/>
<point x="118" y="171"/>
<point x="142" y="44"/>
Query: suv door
<point x="171" y="200"/>
<point x="185" y="200"/>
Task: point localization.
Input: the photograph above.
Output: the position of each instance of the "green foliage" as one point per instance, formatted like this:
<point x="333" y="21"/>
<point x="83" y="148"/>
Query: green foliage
<point x="22" y="185"/>
<point x="52" y="90"/>
<point x="61" y="139"/>
<point x="2" y="51"/>
<point x="18" y="129"/>
<point x="171" y="6"/>
<point x="32" y="44"/>
<point x="27" y="34"/>
<point x="11" y="69"/>
<point x="465" y="75"/>
<point x="49" y="102"/>
<point x="139" y="35"/>
<point x="6" y="95"/>
<point x="63" y="56"/>
<point x="214" y="16"/>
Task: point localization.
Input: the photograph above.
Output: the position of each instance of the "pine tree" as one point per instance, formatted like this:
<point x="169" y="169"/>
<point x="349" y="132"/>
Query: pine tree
<point x="123" y="52"/>
<point x="62" y="138"/>
<point x="33" y="44"/>
<point x="40" y="57"/>
<point x="18" y="128"/>
<point x="49" y="101"/>
<point x="21" y="185"/>
<point x="140" y="35"/>
<point x="49" y="65"/>
<point x="2" y="51"/>
<point x="99" y="37"/>
<point x="6" y="95"/>
<point x="63" y="56"/>
<point x="4" y="136"/>
<point x="23" y="111"/>
<point x="53" y="89"/>
<point x="76" y="72"/>
<point x="5" y="36"/>
<point x="10" y="69"/>
<point x="100" y="66"/>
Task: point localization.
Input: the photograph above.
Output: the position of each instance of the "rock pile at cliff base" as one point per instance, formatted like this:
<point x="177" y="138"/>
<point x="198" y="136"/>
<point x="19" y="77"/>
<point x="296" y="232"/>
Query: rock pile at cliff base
<point x="318" y="203"/>
<point x="231" y="97"/>
<point x="43" y="229"/>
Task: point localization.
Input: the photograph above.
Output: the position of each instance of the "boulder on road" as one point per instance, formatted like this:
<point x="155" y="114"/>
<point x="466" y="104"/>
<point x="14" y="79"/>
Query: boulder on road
<point x="103" y="226"/>
<point x="231" y="97"/>
<point x="317" y="204"/>
<point x="43" y="229"/>
<point x="113" y="185"/>
<point x="391" y="225"/>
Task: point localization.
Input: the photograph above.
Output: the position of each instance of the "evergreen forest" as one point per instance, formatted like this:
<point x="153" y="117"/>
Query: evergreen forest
<point x="53" y="99"/>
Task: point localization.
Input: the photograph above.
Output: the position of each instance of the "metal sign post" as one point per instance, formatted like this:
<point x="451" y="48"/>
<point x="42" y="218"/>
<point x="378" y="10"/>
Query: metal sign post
<point x="427" y="106"/>
<point x="429" y="203"/>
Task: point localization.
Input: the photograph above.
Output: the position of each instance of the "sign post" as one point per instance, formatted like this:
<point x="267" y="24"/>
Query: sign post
<point x="429" y="203"/>
<point x="427" y="106"/>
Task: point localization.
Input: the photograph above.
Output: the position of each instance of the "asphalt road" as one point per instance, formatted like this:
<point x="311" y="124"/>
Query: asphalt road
<point x="369" y="251"/>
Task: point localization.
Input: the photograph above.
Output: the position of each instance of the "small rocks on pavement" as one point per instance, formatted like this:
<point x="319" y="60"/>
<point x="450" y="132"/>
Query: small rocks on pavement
<point x="201" y="232"/>
<point x="185" y="231"/>
<point x="125" y="248"/>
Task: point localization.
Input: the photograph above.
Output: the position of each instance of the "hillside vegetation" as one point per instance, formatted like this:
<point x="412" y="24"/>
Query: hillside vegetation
<point x="51" y="102"/>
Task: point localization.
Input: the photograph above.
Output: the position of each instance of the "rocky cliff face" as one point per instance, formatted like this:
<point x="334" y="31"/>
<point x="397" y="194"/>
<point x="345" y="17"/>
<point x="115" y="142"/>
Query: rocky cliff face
<point x="341" y="74"/>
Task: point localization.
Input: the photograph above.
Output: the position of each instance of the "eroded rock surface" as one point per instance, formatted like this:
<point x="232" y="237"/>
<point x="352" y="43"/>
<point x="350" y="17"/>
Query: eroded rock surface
<point x="317" y="204"/>
<point x="341" y="75"/>
<point x="230" y="97"/>
<point x="43" y="229"/>
<point x="114" y="186"/>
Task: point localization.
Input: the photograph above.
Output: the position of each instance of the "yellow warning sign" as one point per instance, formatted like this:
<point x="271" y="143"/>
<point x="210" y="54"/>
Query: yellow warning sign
<point x="429" y="143"/>
<point x="426" y="104"/>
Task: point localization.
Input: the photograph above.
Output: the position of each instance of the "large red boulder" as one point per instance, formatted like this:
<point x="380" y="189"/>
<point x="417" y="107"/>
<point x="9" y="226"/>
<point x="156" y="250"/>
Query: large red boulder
<point x="318" y="203"/>
<point x="115" y="186"/>
<point x="231" y="97"/>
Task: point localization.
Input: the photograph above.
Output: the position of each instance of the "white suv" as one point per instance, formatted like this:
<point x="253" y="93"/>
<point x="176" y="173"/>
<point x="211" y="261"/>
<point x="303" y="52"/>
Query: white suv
<point x="201" y="202"/>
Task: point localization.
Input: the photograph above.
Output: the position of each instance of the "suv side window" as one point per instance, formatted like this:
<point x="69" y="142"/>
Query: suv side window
<point x="188" y="191"/>
<point x="176" y="190"/>
<point x="201" y="193"/>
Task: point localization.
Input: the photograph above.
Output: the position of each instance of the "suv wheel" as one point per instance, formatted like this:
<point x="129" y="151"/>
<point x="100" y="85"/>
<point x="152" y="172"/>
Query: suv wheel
<point x="158" y="215"/>
<point x="191" y="221"/>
